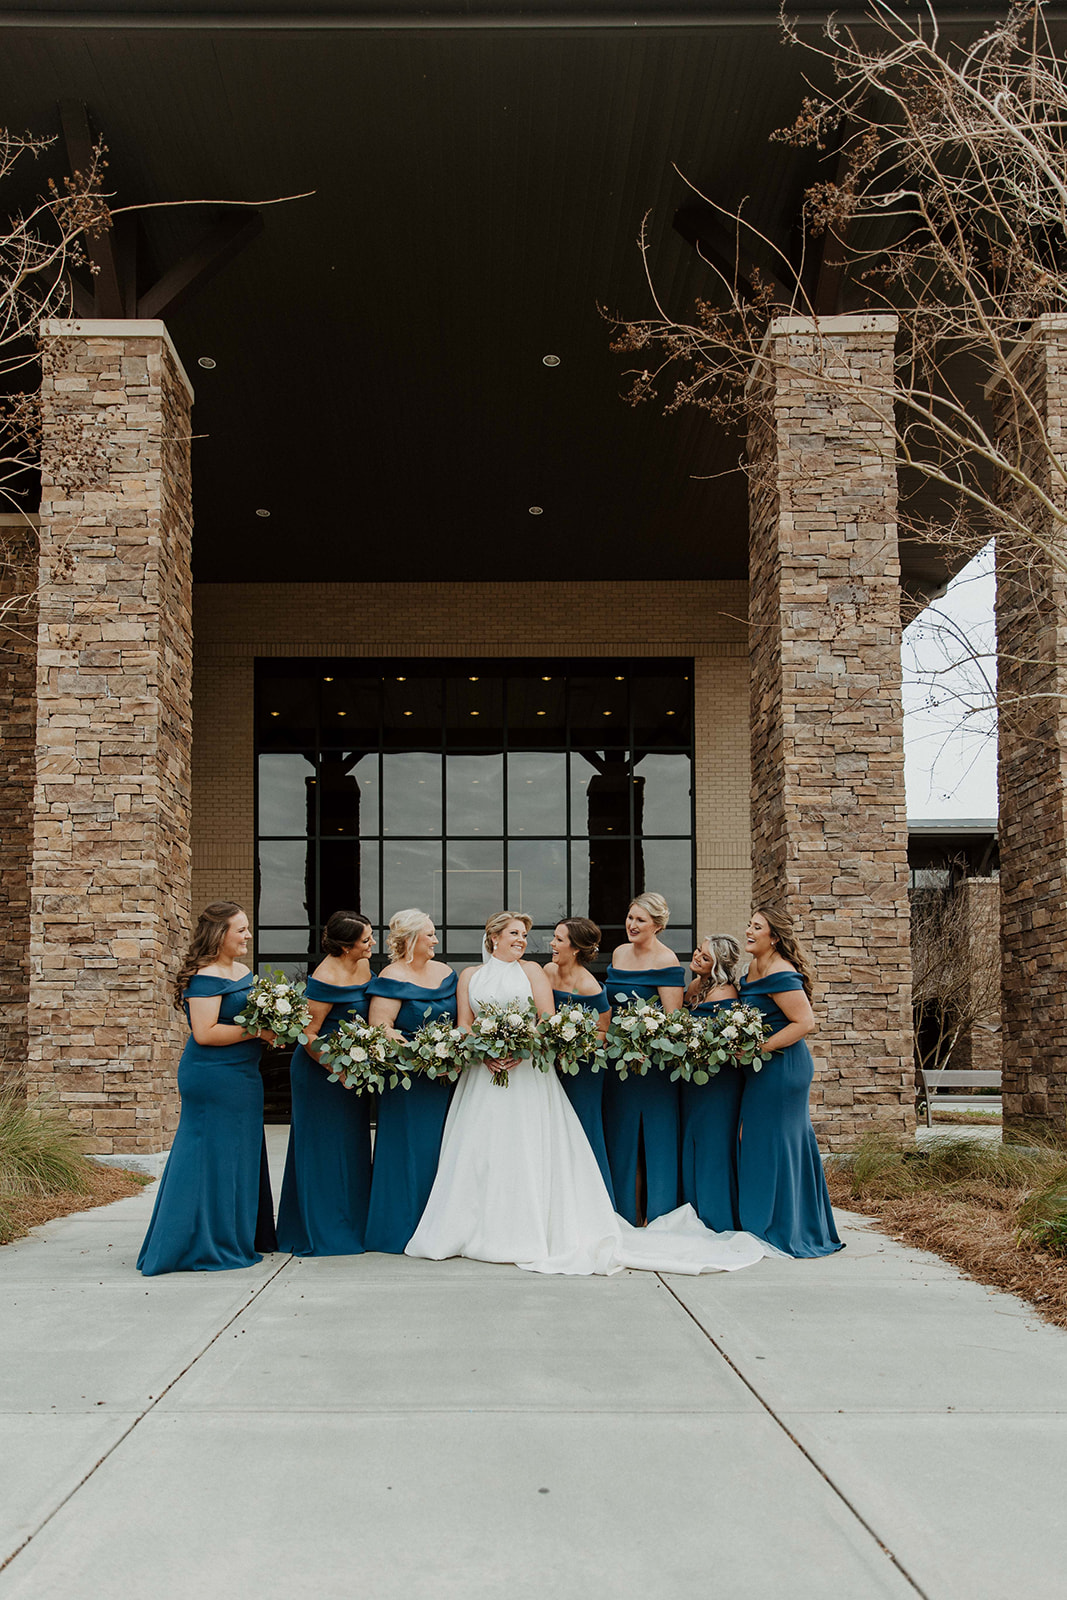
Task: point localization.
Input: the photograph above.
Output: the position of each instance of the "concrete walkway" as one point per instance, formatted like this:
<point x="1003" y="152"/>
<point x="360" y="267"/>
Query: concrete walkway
<point x="870" y="1425"/>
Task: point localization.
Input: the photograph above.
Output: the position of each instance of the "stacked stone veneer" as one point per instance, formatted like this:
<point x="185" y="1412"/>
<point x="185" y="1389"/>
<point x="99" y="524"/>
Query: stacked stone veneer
<point x="701" y="621"/>
<point x="1032" y="690"/>
<point x="829" y="822"/>
<point x="111" y="852"/>
<point x="18" y="733"/>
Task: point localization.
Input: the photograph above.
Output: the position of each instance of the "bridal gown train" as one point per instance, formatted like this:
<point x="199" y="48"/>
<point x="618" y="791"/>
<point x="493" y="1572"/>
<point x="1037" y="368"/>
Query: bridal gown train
<point x="517" y="1181"/>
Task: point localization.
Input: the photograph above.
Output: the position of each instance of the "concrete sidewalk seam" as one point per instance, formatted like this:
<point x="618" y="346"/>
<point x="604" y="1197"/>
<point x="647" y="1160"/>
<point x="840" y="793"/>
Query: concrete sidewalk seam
<point x="139" y="1418"/>
<point x="845" y="1501"/>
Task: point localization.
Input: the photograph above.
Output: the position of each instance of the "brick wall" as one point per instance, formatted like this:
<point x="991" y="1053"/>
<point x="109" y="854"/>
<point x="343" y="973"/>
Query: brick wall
<point x="1032" y="775"/>
<point x="110" y="895"/>
<point x="18" y="736"/>
<point x="829" y="826"/>
<point x="235" y="623"/>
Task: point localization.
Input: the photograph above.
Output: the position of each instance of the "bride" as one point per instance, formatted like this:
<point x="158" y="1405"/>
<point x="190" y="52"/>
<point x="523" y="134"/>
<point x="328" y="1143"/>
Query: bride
<point x="517" y="1180"/>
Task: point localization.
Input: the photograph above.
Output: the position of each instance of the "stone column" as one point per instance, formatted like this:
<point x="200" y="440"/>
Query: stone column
<point x="829" y="821"/>
<point x="1032" y="775"/>
<point x="110" y="897"/>
<point x="18" y="731"/>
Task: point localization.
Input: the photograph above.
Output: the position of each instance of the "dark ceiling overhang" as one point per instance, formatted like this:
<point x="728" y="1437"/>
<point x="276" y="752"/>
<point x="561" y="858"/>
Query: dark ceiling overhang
<point x="480" y="179"/>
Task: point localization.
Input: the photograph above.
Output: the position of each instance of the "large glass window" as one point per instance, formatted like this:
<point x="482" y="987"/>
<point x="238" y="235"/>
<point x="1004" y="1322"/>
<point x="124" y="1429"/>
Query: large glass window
<point x="558" y="789"/>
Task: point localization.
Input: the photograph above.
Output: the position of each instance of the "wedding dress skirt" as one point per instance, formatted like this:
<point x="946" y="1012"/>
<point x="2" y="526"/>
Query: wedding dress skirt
<point x="518" y="1182"/>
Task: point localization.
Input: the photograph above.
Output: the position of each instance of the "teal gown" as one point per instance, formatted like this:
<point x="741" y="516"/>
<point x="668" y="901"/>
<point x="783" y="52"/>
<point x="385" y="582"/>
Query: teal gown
<point x="323" y="1208"/>
<point x="710" y="1116"/>
<point x="782" y="1194"/>
<point x="643" y="1111"/>
<point x="214" y="1209"/>
<point x="585" y="1089"/>
<point x="410" y="1122"/>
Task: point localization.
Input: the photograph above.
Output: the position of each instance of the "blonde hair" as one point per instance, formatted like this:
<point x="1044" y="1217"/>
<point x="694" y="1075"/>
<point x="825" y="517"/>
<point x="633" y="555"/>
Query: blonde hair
<point x="495" y="926"/>
<point x="656" y="906"/>
<point x="404" y="929"/>
<point x="725" y="956"/>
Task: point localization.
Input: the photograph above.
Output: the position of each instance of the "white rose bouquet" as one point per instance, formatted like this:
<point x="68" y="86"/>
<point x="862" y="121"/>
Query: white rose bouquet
<point x="276" y="1004"/>
<point x="436" y="1050"/>
<point x="643" y="1037"/>
<point x="500" y="1031"/>
<point x="733" y="1035"/>
<point x="570" y="1037"/>
<point x="362" y="1057"/>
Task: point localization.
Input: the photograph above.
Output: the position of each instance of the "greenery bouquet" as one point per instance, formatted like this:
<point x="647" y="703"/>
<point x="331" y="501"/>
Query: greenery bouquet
<point x="436" y="1050"/>
<point x="500" y="1031"/>
<point x="363" y="1058"/>
<point x="275" y="1003"/>
<point x="569" y="1037"/>
<point x="642" y="1037"/>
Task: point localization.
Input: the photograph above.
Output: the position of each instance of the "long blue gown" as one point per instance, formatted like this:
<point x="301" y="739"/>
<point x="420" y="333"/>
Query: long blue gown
<point x="710" y="1116"/>
<point x="585" y="1088"/>
<point x="410" y="1122"/>
<point x="781" y="1188"/>
<point x="323" y="1208"/>
<point x="643" y="1110"/>
<point x="214" y="1209"/>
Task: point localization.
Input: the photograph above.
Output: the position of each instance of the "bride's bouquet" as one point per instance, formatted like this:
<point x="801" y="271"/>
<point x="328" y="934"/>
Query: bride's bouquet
<point x="275" y="1003"/>
<point x="502" y="1030"/>
<point x="733" y="1035"/>
<point x="570" y="1037"/>
<point x="363" y="1058"/>
<point x="643" y="1037"/>
<point x="436" y="1050"/>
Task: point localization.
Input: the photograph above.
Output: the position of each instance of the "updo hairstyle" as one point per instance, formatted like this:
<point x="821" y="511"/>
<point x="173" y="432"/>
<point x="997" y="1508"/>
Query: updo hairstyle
<point x="725" y="956"/>
<point x="495" y="926"/>
<point x="344" y="929"/>
<point x="404" y="929"/>
<point x="584" y="936"/>
<point x="657" y="908"/>
<point x="206" y="943"/>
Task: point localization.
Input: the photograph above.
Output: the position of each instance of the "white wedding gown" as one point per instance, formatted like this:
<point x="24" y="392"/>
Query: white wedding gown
<point x="518" y="1182"/>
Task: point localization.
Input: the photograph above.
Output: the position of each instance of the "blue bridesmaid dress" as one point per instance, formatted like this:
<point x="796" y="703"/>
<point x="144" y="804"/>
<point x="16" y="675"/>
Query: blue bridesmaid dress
<point x="323" y="1208"/>
<point x="585" y="1089"/>
<point x="643" y="1110"/>
<point x="782" y="1193"/>
<point x="214" y="1209"/>
<point x="410" y="1122"/>
<point x="710" y="1115"/>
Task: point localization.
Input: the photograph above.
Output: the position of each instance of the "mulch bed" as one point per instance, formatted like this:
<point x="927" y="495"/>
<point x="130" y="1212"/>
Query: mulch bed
<point x="105" y="1184"/>
<point x="978" y="1235"/>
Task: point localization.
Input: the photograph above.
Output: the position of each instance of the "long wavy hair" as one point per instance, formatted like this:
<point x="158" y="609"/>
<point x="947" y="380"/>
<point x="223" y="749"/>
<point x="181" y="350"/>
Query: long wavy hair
<point x="725" y="954"/>
<point x="784" y="938"/>
<point x="207" y="942"/>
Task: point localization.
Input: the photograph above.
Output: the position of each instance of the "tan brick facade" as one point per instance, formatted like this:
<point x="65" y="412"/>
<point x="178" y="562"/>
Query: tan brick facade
<point x="236" y="623"/>
<point x="18" y="737"/>
<point x="110" y="886"/>
<point x="829" y="821"/>
<point x="1032" y="686"/>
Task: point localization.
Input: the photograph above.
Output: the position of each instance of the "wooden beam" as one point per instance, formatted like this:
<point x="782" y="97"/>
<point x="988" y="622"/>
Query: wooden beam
<point x="712" y="240"/>
<point x="219" y="245"/>
<point x="107" y="291"/>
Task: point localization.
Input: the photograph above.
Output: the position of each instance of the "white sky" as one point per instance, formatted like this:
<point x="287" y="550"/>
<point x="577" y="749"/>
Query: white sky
<point x="950" y="744"/>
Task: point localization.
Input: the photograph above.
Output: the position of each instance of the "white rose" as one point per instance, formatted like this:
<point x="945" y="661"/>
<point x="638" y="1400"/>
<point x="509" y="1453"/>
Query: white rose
<point x="676" y="1027"/>
<point x="730" y="1032"/>
<point x="570" y="1031"/>
<point x="358" y="1053"/>
<point x="628" y="1024"/>
<point x="457" y="1033"/>
<point x="514" y="1020"/>
<point x="486" y="1024"/>
<point x="282" y="1007"/>
<point x="440" y="1050"/>
<point x="651" y="1024"/>
<point x="576" y="1014"/>
<point x="281" y="988"/>
<point x="260" y="1000"/>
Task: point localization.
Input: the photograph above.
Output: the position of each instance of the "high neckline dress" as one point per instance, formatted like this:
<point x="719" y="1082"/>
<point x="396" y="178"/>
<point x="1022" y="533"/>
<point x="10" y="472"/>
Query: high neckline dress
<point x="407" y="1143"/>
<point x="643" y="1111"/>
<point x="517" y="1181"/>
<point x="326" y="1185"/>
<point x="585" y="1088"/>
<point x="214" y="1209"/>
<point x="711" y="1113"/>
<point x="781" y="1187"/>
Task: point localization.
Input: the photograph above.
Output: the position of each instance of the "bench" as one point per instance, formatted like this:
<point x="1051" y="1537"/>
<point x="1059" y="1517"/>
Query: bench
<point x="956" y="1078"/>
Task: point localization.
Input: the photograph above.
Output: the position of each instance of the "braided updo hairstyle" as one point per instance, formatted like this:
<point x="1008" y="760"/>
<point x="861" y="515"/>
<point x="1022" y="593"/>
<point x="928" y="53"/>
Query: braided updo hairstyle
<point x="584" y="935"/>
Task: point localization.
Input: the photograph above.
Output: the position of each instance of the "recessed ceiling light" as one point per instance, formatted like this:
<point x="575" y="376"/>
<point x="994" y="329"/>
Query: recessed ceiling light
<point x="327" y="680"/>
<point x="536" y="511"/>
<point x="342" y="713"/>
<point x="409" y="713"/>
<point x="546" y="680"/>
<point x="472" y="680"/>
<point x="401" y="680"/>
<point x="262" y="513"/>
<point x="548" y="361"/>
<point x="607" y="713"/>
<point x="475" y="713"/>
<point x="275" y="713"/>
<point x="670" y="713"/>
<point x="206" y="362"/>
<point x="542" y="713"/>
<point x="620" y="680"/>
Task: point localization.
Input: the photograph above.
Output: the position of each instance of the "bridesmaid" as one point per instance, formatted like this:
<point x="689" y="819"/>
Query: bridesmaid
<point x="781" y="1188"/>
<point x="323" y="1208"/>
<point x="214" y="1209"/>
<point x="642" y="1115"/>
<point x="574" y="944"/>
<point x="413" y="989"/>
<point x="711" y="1111"/>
